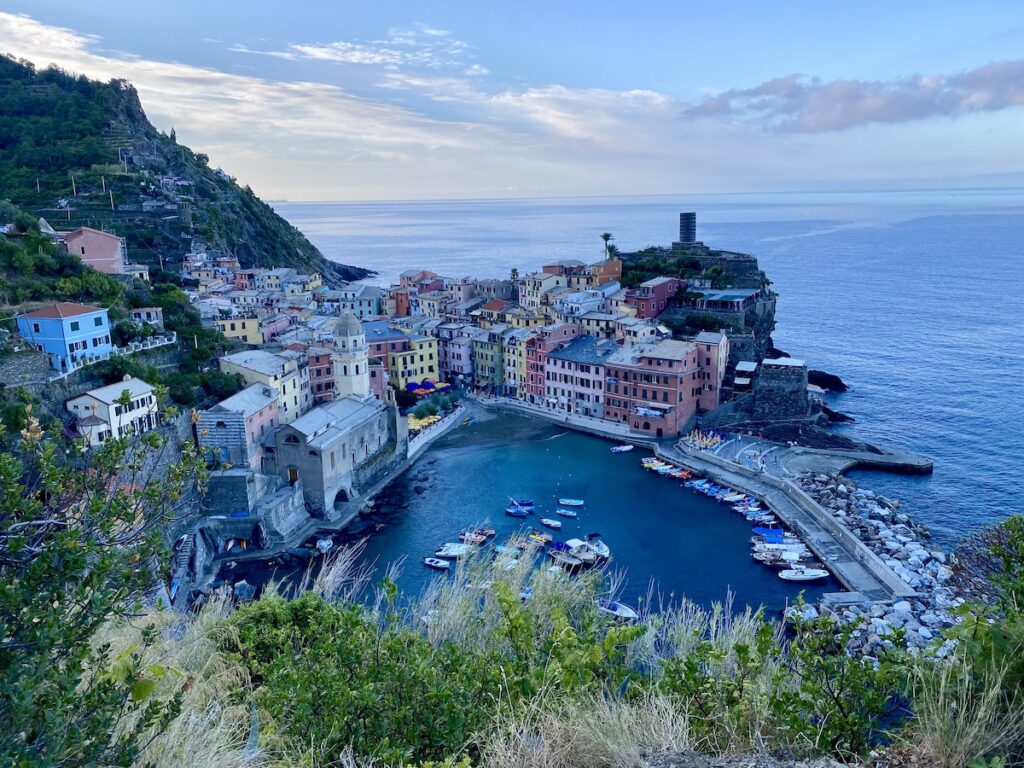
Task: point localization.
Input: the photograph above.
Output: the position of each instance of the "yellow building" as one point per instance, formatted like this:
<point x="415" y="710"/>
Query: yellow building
<point x="415" y="364"/>
<point x="245" y="329"/>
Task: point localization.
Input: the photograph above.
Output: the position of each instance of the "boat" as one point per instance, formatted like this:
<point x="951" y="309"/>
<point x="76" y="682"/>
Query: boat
<point x="436" y="563"/>
<point x="472" y="537"/>
<point x="514" y="510"/>
<point x="549" y="523"/>
<point x="324" y="545"/>
<point x="620" y="611"/>
<point x="597" y="544"/>
<point x="582" y="550"/>
<point x="803" y="574"/>
<point x="536" y="533"/>
<point x="622" y="448"/>
<point x="571" y="502"/>
<point x="565" y="560"/>
<point x="450" y="550"/>
<point x="566" y="512"/>
<point x="523" y="502"/>
<point x="504" y="549"/>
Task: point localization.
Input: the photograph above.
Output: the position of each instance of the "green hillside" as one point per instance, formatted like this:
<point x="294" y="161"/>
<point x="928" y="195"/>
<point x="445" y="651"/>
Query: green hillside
<point x="81" y="152"/>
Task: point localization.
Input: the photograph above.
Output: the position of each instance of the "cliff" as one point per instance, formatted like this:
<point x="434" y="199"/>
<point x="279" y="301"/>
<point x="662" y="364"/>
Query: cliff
<point x="81" y="152"/>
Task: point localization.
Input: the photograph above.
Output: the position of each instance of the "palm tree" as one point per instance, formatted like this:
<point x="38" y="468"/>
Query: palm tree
<point x="514" y="276"/>
<point x="611" y="251"/>
<point x="607" y="237"/>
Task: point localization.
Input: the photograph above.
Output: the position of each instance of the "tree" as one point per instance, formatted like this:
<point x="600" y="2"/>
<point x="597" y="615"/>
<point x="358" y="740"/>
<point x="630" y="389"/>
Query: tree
<point x="607" y="237"/>
<point x="514" y="275"/>
<point x="80" y="545"/>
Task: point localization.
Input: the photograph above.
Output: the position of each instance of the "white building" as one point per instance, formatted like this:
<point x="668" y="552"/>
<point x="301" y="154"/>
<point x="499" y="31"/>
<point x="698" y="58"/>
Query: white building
<point x="128" y="407"/>
<point x="351" y="358"/>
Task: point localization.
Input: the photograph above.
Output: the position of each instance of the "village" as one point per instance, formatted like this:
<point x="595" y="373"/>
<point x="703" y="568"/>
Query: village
<point x="335" y="377"/>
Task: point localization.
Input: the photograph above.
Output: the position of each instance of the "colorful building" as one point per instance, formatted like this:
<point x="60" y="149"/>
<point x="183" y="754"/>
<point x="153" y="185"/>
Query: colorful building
<point x="537" y="347"/>
<point x="651" y="297"/>
<point x="102" y="251"/>
<point x="70" y="334"/>
<point x="655" y="388"/>
<point x="235" y="428"/>
<point x="574" y="376"/>
<point x="286" y="372"/>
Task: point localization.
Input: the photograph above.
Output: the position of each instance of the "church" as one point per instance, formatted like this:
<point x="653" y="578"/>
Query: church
<point x="339" y="450"/>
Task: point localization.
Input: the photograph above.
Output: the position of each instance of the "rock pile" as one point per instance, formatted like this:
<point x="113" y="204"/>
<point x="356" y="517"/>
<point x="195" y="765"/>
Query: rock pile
<point x="902" y="545"/>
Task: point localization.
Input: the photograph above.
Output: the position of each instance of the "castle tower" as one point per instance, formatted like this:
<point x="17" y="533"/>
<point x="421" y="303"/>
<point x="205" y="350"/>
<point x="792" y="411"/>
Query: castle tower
<point x="351" y="358"/>
<point x="688" y="227"/>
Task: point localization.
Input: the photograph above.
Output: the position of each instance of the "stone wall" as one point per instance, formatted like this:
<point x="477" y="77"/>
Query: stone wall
<point x="780" y="393"/>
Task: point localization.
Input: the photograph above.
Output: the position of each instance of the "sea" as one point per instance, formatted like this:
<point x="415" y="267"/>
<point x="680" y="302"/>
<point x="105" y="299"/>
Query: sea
<point x="914" y="298"/>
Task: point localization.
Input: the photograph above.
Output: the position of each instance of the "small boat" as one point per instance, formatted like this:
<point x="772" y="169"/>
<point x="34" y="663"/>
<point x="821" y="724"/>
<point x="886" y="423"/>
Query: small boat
<point x="450" y="550"/>
<point x="523" y="502"/>
<point x="620" y="611"/>
<point x="566" y="512"/>
<point x="549" y="523"/>
<point x="565" y="560"/>
<point x="471" y="537"/>
<point x="571" y="502"/>
<point x="324" y="545"/>
<point x="597" y="544"/>
<point x="436" y="563"/>
<point x="485" y="532"/>
<point x="803" y="574"/>
<point x="514" y="510"/>
<point x="622" y="448"/>
<point x="537" y="535"/>
<point x="582" y="550"/>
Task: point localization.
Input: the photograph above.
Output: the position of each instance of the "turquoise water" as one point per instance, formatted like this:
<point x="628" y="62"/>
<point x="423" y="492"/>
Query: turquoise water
<point x="658" y="531"/>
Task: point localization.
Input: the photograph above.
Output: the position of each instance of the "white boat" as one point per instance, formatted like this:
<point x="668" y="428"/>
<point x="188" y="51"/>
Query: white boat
<point x="622" y="448"/>
<point x="803" y="574"/>
<point x="565" y="560"/>
<point x="324" y="545"/>
<point x="436" y="563"/>
<point x="597" y="544"/>
<point x="450" y="550"/>
<point x="548" y="522"/>
<point x="614" y="608"/>
<point x="571" y="502"/>
<point x="582" y="550"/>
<point x="566" y="512"/>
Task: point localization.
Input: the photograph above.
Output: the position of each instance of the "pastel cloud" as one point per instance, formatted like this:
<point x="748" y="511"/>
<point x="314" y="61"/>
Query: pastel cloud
<point x="802" y="104"/>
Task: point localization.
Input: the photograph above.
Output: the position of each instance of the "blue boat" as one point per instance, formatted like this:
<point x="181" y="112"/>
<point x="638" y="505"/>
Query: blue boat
<point x="514" y="510"/>
<point x="523" y="502"/>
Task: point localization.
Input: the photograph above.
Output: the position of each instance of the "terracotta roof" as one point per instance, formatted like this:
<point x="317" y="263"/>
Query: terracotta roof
<point x="63" y="309"/>
<point x="496" y="305"/>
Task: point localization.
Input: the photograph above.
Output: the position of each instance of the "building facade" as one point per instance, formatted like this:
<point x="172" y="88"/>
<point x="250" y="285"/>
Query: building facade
<point x="70" y="334"/>
<point x="235" y="429"/>
<point x="118" y="410"/>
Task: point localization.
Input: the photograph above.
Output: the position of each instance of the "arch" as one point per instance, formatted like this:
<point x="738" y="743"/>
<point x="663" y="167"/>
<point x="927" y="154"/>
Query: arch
<point x="647" y="425"/>
<point x="221" y="425"/>
<point x="313" y="453"/>
<point x="292" y="440"/>
<point x="340" y="496"/>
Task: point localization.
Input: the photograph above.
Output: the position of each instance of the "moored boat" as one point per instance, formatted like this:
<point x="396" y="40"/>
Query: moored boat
<point x="514" y="510"/>
<point x="622" y="448"/>
<point x="566" y="512"/>
<point x="803" y="574"/>
<point x="565" y="560"/>
<point x="549" y="523"/>
<point x="471" y="537"/>
<point x="571" y="502"/>
<point x="597" y="544"/>
<point x="614" y="608"/>
<point x="582" y="550"/>
<point x="436" y="563"/>
<point x="451" y="550"/>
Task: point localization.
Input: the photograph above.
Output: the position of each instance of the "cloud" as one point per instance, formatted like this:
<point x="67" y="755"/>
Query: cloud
<point x="800" y="104"/>
<point x="476" y="70"/>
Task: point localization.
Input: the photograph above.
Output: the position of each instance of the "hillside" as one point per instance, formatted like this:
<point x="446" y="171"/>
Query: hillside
<point x="80" y="152"/>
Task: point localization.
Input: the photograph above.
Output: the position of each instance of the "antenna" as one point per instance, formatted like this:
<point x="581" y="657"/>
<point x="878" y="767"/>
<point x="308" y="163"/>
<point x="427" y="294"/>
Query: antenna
<point x="74" y="190"/>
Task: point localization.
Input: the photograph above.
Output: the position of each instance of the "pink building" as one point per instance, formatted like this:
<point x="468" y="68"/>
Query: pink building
<point x="102" y="251"/>
<point x="321" y="374"/>
<point x="713" y="357"/>
<point x="655" y="388"/>
<point x="574" y="376"/>
<point x="233" y="431"/>
<point x="537" y="348"/>
<point x="244" y="279"/>
<point x="274" y="326"/>
<point x="651" y="297"/>
<point x="379" y="381"/>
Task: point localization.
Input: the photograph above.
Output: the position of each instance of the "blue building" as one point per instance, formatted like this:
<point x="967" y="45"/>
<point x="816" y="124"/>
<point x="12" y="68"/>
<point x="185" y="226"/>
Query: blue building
<point x="71" y="334"/>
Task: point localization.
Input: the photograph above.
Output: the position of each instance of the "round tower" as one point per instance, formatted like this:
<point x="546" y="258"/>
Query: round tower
<point x="351" y="358"/>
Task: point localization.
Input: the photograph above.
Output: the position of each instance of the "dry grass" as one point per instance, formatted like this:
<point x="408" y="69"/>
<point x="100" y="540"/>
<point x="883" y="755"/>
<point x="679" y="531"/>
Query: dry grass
<point x="212" y="730"/>
<point x="598" y="733"/>
<point x="959" y="717"/>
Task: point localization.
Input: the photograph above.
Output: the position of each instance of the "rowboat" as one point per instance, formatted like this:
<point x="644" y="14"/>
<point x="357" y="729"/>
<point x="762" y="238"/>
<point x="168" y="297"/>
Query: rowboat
<point x="514" y="510"/>
<point x="582" y="550"/>
<point x="571" y="502"/>
<point x="622" y="448"/>
<point x="620" y="611"/>
<point x="565" y="560"/>
<point x="471" y="537"/>
<point x="549" y="523"/>
<point x="566" y="512"/>
<point x="450" y="550"/>
<point x="436" y="563"/>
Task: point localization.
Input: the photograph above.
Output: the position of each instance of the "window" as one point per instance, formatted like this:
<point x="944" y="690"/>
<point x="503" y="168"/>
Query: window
<point x="292" y="439"/>
<point x="75" y="325"/>
<point x="35" y="327"/>
<point x="98" y="321"/>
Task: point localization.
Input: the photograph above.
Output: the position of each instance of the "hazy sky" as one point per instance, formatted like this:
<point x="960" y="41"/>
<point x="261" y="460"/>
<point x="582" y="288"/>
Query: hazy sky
<point x="402" y="100"/>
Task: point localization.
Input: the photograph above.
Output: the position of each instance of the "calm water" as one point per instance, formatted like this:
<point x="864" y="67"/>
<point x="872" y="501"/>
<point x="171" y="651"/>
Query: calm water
<point x="915" y="299"/>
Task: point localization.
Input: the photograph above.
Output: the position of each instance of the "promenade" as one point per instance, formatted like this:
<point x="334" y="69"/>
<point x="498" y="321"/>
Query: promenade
<point x="860" y="570"/>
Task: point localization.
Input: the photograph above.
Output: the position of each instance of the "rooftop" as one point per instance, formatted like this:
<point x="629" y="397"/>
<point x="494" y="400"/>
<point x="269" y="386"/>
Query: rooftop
<point x="587" y="350"/>
<point x="709" y="337"/>
<point x="250" y="400"/>
<point x="728" y="294"/>
<point x="332" y="421"/>
<point x="785" y="362"/>
<point x="746" y="366"/>
<point x="259" y="360"/>
<point x="111" y="392"/>
<point x="63" y="309"/>
<point x="381" y="330"/>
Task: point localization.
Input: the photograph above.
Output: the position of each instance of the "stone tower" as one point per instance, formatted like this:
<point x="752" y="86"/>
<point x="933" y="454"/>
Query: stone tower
<point x="351" y="358"/>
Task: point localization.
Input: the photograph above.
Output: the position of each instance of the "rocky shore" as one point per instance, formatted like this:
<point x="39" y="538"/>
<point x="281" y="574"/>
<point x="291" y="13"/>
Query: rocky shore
<point x="905" y="547"/>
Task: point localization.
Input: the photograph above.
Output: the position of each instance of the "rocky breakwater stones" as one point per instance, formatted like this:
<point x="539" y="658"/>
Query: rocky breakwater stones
<point x="902" y="545"/>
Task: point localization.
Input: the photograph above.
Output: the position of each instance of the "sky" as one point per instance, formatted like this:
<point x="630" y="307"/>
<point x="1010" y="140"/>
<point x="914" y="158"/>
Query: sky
<point x="402" y="101"/>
